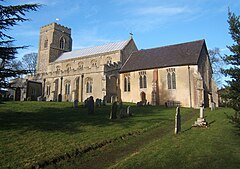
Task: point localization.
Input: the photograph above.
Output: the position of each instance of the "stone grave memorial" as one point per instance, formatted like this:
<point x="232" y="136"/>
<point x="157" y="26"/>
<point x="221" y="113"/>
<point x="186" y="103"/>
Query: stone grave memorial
<point x="201" y="121"/>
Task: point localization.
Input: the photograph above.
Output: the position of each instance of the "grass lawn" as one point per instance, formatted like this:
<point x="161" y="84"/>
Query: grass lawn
<point x="215" y="147"/>
<point x="31" y="132"/>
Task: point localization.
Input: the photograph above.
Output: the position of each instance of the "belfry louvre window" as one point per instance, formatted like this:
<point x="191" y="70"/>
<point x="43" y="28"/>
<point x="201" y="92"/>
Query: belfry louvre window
<point x="45" y="43"/>
<point x="171" y="78"/>
<point x="62" y="43"/>
<point x="127" y="84"/>
<point x="142" y="80"/>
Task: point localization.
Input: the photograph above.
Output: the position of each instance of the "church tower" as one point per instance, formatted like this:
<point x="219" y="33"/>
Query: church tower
<point x="54" y="40"/>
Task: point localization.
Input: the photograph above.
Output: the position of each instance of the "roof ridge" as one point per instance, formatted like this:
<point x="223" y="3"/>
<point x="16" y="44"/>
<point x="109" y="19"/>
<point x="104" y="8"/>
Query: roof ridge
<point x="183" y="43"/>
<point x="101" y="45"/>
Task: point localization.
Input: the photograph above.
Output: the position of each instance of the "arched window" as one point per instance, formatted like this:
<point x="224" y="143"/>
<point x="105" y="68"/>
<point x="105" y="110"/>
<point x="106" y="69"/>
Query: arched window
<point x="68" y="66"/>
<point x="58" y="68"/>
<point x="45" y="43"/>
<point x="173" y="80"/>
<point x="109" y="60"/>
<point x="89" y="84"/>
<point x="48" y="90"/>
<point x="127" y="84"/>
<point x="62" y="43"/>
<point x="169" y="80"/>
<point x="67" y="88"/>
<point x="94" y="63"/>
<point x="142" y="80"/>
<point x="80" y="65"/>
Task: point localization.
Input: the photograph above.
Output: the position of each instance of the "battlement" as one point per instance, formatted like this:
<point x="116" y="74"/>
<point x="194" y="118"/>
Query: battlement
<point x="55" y="26"/>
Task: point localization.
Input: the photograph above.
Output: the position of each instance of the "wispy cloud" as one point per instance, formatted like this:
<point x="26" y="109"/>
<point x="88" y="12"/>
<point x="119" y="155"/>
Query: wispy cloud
<point x="160" y="10"/>
<point x="89" y="38"/>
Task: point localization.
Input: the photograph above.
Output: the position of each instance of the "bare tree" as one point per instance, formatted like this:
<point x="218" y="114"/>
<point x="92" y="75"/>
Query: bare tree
<point x="217" y="64"/>
<point x="30" y="62"/>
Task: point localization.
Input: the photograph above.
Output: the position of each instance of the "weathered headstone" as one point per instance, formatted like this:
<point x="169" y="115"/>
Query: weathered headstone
<point x="39" y="98"/>
<point x="104" y="101"/>
<point x="213" y="106"/>
<point x="122" y="112"/>
<point x="75" y="104"/>
<point x="177" y="121"/>
<point x="113" y="114"/>
<point x="86" y="102"/>
<point x="90" y="105"/>
<point x="129" y="112"/>
<point x="59" y="98"/>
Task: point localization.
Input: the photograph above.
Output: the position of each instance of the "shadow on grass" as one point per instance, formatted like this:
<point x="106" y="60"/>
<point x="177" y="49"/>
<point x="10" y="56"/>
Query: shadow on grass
<point x="235" y="121"/>
<point x="70" y="120"/>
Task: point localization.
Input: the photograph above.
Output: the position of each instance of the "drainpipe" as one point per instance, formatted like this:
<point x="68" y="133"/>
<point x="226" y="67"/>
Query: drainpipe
<point x="82" y="88"/>
<point x="190" y="91"/>
<point x="43" y="90"/>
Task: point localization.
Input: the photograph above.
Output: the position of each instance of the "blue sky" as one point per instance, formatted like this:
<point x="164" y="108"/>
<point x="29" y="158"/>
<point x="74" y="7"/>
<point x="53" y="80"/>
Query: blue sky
<point x="153" y="23"/>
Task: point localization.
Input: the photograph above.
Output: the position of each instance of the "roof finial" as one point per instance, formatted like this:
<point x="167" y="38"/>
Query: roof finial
<point x="131" y="34"/>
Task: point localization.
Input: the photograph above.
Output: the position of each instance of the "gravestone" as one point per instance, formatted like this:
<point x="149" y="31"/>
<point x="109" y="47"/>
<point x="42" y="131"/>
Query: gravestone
<point x="213" y="106"/>
<point x="59" y="98"/>
<point x="122" y="112"/>
<point x="129" y="112"/>
<point x="90" y="105"/>
<point x="113" y="114"/>
<point x="39" y="98"/>
<point x="104" y="101"/>
<point x="75" y="104"/>
<point x="177" y="121"/>
<point x="86" y="102"/>
<point x="98" y="102"/>
<point x="201" y="121"/>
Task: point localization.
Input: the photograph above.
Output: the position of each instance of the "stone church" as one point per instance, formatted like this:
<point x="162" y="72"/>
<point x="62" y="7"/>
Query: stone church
<point x="176" y="74"/>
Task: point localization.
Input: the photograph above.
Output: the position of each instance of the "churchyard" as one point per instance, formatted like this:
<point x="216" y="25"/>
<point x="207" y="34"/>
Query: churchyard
<point x="57" y="135"/>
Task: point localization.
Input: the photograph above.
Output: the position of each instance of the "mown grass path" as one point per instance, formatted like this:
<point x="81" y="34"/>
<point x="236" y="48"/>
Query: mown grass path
<point x="111" y="154"/>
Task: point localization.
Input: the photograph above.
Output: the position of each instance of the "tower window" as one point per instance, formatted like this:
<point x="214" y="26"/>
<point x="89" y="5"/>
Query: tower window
<point x="45" y="43"/>
<point x="62" y="43"/>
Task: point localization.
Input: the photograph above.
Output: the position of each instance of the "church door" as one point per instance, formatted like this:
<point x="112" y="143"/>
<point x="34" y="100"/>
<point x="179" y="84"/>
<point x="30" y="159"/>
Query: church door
<point x="143" y="96"/>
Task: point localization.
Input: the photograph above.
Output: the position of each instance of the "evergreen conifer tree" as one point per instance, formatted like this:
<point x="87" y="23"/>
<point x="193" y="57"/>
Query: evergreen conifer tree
<point x="233" y="60"/>
<point x="9" y="17"/>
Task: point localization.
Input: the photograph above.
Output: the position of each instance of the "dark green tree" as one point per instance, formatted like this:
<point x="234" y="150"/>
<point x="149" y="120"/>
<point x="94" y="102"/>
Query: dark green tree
<point x="9" y="17"/>
<point x="233" y="60"/>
